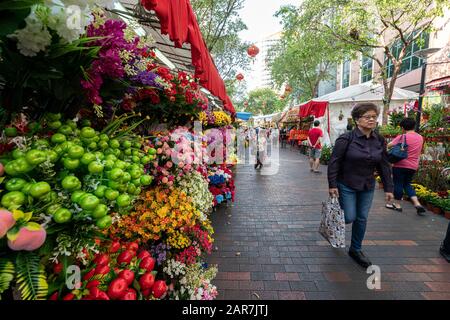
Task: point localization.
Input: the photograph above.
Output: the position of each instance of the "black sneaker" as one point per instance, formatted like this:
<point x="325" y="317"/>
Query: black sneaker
<point x="421" y="211"/>
<point x="360" y="258"/>
<point x="444" y="253"/>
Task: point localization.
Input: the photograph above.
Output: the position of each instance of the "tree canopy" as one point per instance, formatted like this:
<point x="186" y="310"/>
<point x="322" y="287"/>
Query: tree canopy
<point x="367" y="25"/>
<point x="220" y="24"/>
<point x="263" y="101"/>
<point x="304" y="58"/>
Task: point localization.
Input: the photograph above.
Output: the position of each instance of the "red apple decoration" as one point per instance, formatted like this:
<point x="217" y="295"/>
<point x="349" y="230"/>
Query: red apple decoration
<point x="159" y="289"/>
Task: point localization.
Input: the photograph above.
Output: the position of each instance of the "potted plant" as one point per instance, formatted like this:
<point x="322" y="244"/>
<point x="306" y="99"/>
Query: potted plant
<point x="446" y="207"/>
<point x="436" y="205"/>
<point x="425" y="114"/>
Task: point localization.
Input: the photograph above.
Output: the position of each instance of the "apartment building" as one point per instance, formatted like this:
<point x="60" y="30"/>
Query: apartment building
<point x="261" y="76"/>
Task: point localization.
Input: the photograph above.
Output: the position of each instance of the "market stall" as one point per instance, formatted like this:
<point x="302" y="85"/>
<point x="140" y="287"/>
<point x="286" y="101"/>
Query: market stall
<point x="97" y="166"/>
<point x="334" y="110"/>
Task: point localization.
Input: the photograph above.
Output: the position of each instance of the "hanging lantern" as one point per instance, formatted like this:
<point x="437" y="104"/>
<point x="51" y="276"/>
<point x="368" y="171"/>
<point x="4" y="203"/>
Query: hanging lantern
<point x="240" y="77"/>
<point x="253" y="51"/>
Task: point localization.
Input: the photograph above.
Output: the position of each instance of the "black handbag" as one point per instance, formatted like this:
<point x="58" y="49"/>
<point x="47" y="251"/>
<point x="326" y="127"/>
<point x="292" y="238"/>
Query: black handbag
<point x="398" y="152"/>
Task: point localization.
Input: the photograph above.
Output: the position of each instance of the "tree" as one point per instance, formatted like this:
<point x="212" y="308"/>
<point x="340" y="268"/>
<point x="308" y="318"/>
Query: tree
<point x="220" y="24"/>
<point x="371" y="26"/>
<point x="236" y="89"/>
<point x="264" y="101"/>
<point x="304" y="58"/>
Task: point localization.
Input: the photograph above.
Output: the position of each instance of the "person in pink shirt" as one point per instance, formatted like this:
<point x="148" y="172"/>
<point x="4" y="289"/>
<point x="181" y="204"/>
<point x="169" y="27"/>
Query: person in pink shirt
<point x="404" y="170"/>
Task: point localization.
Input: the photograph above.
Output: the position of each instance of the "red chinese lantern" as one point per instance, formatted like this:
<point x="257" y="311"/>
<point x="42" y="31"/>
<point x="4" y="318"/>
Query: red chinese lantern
<point x="240" y="77"/>
<point x="253" y="51"/>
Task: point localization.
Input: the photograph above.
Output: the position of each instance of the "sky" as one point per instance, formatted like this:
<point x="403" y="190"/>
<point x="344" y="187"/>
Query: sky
<point x="258" y="15"/>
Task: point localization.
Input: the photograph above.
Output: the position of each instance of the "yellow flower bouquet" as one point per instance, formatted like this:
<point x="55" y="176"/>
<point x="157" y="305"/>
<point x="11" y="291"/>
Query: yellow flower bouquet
<point x="161" y="213"/>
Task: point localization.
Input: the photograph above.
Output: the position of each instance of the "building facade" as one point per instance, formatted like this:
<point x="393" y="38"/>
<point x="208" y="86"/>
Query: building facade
<point x="364" y="69"/>
<point x="261" y="75"/>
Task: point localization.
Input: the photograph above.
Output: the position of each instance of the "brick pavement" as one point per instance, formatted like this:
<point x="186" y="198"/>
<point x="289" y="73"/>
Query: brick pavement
<point x="268" y="246"/>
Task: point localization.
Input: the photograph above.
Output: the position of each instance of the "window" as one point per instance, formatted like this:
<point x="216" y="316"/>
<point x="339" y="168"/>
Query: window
<point x="366" y="69"/>
<point x="345" y="74"/>
<point x="410" y="62"/>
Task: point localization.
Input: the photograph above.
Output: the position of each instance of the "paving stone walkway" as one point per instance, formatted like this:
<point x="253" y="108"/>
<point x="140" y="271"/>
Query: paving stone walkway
<point x="268" y="246"/>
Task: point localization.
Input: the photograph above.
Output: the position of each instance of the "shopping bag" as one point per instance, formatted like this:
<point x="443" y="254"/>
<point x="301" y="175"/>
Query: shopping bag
<point x="332" y="225"/>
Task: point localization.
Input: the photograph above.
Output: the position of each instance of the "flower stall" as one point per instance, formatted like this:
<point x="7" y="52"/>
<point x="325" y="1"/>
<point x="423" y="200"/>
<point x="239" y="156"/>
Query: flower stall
<point x="97" y="174"/>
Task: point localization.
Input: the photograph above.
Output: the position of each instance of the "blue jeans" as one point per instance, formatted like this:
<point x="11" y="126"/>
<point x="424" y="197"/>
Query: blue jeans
<point x="356" y="206"/>
<point x="402" y="181"/>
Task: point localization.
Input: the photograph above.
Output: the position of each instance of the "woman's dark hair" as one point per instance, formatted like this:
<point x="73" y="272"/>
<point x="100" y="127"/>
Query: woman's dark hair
<point x="361" y="108"/>
<point x="408" y="124"/>
<point x="316" y="123"/>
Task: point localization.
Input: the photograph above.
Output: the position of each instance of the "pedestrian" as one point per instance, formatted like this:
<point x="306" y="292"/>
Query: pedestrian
<point x="349" y="127"/>
<point x="404" y="170"/>
<point x="355" y="157"/>
<point x="314" y="142"/>
<point x="258" y="149"/>
<point x="283" y="137"/>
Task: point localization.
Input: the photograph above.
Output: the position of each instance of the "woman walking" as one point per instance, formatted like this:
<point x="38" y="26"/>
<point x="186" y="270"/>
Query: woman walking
<point x="404" y="170"/>
<point x="356" y="155"/>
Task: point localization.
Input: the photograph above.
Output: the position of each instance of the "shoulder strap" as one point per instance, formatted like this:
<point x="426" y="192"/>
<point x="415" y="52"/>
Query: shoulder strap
<point x="381" y="139"/>
<point x="349" y="141"/>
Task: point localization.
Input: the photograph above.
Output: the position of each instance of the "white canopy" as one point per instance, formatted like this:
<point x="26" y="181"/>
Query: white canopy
<point x="342" y="101"/>
<point x="366" y="91"/>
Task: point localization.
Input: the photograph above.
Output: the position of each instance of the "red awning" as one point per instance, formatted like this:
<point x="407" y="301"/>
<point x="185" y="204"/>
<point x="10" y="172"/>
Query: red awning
<point x="178" y="20"/>
<point x="313" y="108"/>
<point x="439" y="83"/>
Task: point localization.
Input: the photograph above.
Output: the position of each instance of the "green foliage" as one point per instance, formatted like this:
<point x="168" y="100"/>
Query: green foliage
<point x="31" y="80"/>
<point x="372" y="24"/>
<point x="431" y="175"/>
<point x="437" y="116"/>
<point x="304" y="58"/>
<point x="390" y="130"/>
<point x="12" y="13"/>
<point x="31" y="278"/>
<point x="264" y="101"/>
<point x="220" y="24"/>
<point x="238" y="91"/>
<point x="396" y="117"/>
<point x="7" y="272"/>
<point x="326" y="154"/>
